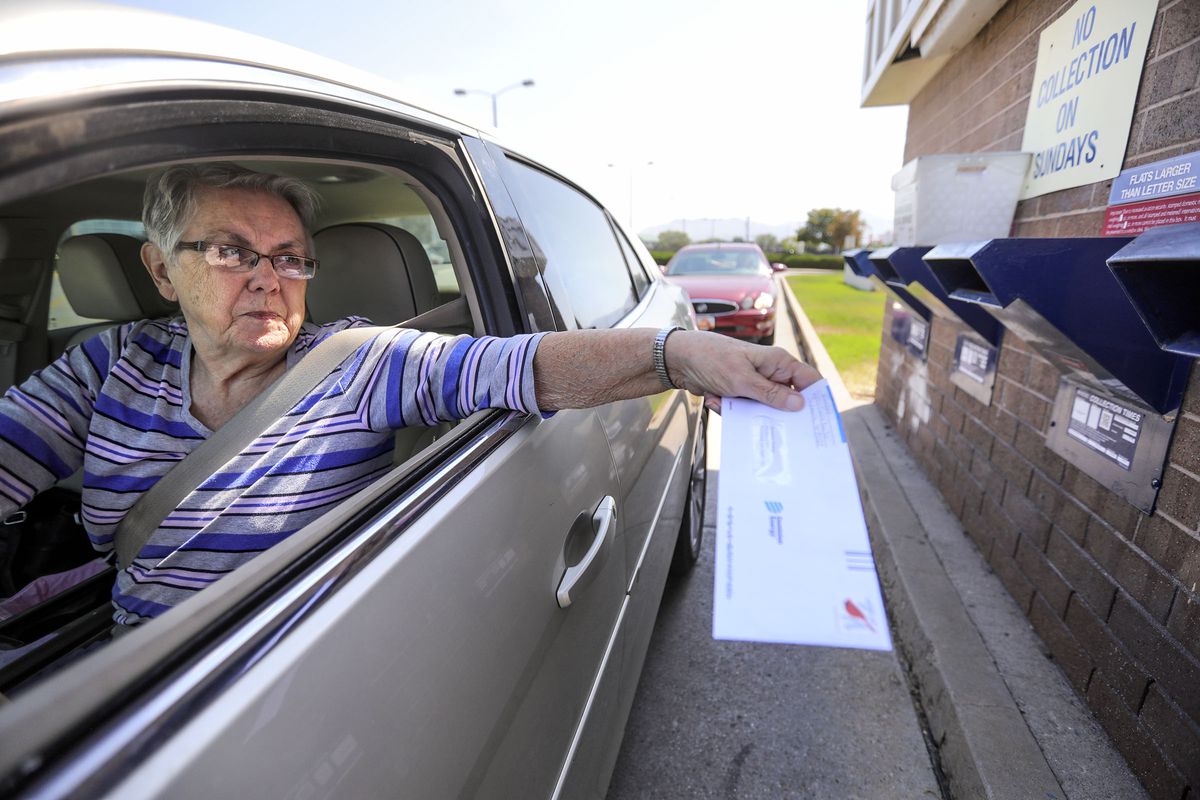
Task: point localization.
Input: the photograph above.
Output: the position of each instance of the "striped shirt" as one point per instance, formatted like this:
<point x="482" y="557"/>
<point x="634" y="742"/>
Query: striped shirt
<point x="118" y="405"/>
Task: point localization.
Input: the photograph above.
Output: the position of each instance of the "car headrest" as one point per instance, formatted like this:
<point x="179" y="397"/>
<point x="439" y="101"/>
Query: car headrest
<point x="371" y="270"/>
<point x="103" y="277"/>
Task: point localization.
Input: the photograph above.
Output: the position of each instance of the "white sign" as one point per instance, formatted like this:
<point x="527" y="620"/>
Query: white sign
<point x="794" y="563"/>
<point x="918" y="336"/>
<point x="974" y="360"/>
<point x="1088" y="70"/>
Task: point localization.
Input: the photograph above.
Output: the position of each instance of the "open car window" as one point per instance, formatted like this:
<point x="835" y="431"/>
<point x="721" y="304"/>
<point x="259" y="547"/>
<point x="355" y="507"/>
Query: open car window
<point x="391" y="241"/>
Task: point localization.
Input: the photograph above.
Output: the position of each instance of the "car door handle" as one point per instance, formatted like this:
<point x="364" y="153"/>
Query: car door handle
<point x="577" y="578"/>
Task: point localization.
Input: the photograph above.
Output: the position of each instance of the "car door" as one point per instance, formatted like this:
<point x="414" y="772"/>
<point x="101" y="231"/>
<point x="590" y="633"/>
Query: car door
<point x="440" y="634"/>
<point x="653" y="441"/>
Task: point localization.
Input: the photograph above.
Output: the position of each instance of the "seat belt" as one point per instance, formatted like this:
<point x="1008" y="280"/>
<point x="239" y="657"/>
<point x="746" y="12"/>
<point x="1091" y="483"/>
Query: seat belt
<point x="162" y="498"/>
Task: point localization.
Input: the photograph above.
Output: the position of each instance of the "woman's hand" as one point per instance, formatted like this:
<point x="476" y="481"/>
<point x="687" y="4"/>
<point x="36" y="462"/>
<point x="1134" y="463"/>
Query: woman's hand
<point x="717" y="366"/>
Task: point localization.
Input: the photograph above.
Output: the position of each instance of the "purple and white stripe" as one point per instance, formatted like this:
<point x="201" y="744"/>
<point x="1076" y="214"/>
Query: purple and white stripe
<point x="350" y="413"/>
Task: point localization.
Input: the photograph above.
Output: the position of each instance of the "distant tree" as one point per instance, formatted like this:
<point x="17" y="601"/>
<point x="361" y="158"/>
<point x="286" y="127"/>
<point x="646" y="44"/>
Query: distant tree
<point x="816" y="229"/>
<point x="791" y="245"/>
<point x="673" y="240"/>
<point x="768" y="242"/>
<point x="829" y="227"/>
<point x="738" y="239"/>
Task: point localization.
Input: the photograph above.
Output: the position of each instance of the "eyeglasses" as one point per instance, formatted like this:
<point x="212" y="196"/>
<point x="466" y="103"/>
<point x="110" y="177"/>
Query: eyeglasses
<point x="234" y="258"/>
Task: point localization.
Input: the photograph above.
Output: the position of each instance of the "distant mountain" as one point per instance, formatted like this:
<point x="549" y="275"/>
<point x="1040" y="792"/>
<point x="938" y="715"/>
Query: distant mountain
<point x="724" y="229"/>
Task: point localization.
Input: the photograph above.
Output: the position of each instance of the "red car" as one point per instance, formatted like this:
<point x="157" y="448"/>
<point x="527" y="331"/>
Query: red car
<point x="730" y="287"/>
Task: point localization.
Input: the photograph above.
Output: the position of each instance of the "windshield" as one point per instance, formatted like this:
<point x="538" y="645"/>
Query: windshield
<point x="718" y="262"/>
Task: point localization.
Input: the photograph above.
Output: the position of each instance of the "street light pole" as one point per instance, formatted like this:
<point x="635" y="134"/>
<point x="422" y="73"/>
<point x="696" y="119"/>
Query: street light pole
<point x="494" y="95"/>
<point x="648" y="164"/>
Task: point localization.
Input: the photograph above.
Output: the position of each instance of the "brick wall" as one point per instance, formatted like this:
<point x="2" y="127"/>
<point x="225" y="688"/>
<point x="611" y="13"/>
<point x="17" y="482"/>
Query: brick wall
<point x="1113" y="593"/>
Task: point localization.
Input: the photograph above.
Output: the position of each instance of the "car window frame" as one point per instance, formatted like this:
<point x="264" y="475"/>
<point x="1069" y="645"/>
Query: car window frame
<point x="633" y="264"/>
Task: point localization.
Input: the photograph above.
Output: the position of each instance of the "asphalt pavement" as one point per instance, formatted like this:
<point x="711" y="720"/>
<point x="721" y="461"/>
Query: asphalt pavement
<point x="719" y="719"/>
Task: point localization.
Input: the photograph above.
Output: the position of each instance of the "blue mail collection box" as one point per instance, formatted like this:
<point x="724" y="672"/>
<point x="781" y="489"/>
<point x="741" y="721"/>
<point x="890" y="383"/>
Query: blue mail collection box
<point x="1060" y="296"/>
<point x="859" y="261"/>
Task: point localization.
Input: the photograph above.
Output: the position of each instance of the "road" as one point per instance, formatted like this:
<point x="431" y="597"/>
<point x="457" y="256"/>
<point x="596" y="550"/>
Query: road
<point x="715" y="719"/>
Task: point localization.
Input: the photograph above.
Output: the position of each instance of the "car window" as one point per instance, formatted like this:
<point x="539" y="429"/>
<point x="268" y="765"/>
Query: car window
<point x="717" y="262"/>
<point x="360" y="277"/>
<point x="573" y="236"/>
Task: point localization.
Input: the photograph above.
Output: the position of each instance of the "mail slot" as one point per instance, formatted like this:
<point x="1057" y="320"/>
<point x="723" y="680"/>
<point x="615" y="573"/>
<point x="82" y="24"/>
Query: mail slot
<point x="881" y="262"/>
<point x="1060" y="296"/>
<point x="859" y="262"/>
<point x="1160" y="273"/>
<point x="952" y="268"/>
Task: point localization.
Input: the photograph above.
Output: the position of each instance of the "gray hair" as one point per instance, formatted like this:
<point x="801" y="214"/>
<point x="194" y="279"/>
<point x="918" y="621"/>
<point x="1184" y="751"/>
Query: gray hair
<point x="170" y="200"/>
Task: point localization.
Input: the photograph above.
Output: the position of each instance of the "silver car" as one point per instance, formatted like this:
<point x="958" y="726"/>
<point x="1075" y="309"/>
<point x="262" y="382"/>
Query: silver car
<point x="471" y="625"/>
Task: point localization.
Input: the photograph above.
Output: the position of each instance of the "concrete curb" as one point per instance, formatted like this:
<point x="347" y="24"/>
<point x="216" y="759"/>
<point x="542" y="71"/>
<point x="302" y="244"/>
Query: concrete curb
<point x="985" y="747"/>
<point x="919" y="545"/>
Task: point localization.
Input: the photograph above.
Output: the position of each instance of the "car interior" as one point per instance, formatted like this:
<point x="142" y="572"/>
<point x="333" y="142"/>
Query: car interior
<point x="70" y="268"/>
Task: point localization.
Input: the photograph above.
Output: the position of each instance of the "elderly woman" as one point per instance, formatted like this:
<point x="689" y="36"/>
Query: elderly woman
<point x="233" y="248"/>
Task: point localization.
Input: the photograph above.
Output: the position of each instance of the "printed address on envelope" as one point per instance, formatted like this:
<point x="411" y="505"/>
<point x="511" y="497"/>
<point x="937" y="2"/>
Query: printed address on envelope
<point x="793" y="562"/>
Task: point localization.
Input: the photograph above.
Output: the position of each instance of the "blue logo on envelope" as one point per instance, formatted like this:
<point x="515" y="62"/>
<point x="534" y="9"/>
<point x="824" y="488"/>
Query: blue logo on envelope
<point x="775" y="521"/>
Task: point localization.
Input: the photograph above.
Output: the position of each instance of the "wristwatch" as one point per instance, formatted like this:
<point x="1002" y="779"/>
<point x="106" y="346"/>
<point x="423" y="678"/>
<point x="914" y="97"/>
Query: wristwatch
<point x="660" y="356"/>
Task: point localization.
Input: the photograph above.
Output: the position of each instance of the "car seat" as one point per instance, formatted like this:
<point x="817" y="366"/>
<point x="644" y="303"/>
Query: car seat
<point x="371" y="270"/>
<point x="103" y="277"/>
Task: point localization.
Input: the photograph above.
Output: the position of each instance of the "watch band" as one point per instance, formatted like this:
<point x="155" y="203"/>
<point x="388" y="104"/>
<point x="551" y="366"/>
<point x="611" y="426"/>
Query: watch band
<point x="660" y="356"/>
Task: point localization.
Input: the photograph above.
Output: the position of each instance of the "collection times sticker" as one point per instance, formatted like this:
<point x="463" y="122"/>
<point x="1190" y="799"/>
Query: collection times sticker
<point x="1108" y="428"/>
<point x="975" y="360"/>
<point x="918" y="336"/>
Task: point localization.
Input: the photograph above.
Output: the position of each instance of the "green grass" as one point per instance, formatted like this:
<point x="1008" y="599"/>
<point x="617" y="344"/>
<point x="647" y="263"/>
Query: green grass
<point x="849" y="322"/>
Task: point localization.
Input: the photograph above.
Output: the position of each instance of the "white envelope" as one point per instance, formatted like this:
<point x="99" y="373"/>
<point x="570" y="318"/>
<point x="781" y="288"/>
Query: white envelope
<point x="793" y="561"/>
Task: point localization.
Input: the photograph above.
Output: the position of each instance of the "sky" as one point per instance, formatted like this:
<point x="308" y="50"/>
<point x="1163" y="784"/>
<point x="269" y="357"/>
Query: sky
<point x="665" y="110"/>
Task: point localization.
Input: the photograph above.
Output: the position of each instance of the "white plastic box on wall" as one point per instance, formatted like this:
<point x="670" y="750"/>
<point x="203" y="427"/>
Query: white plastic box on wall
<point x="957" y="198"/>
